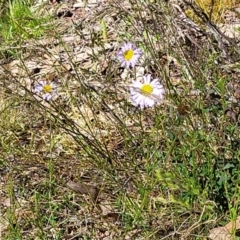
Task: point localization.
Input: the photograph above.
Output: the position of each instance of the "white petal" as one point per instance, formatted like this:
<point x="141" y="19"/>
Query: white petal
<point x="128" y="63"/>
<point x="38" y="88"/>
<point x="136" y="84"/>
<point x="138" y="51"/>
<point x="149" y="102"/>
<point x="130" y="45"/>
<point x="158" y="92"/>
<point x="47" y="96"/>
<point x="147" y="78"/>
<point x="133" y="92"/>
<point x="155" y="82"/>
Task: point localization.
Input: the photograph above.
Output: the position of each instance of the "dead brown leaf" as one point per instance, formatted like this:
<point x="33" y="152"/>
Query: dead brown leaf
<point x="226" y="232"/>
<point x="220" y="233"/>
<point x="83" y="188"/>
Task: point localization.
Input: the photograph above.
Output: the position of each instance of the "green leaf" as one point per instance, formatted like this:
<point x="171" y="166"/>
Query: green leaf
<point x="228" y="165"/>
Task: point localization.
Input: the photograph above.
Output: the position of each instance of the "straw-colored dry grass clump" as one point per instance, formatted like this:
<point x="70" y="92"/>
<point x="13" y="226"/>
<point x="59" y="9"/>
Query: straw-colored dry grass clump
<point x="214" y="9"/>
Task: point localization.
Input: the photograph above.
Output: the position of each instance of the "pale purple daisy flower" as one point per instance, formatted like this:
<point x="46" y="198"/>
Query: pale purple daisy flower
<point x="128" y="55"/>
<point x="146" y="93"/>
<point x="46" y="90"/>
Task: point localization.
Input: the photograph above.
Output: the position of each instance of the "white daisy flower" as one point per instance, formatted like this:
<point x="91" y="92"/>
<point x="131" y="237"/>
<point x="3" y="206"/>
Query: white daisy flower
<point x="46" y="90"/>
<point x="146" y="94"/>
<point x="128" y="55"/>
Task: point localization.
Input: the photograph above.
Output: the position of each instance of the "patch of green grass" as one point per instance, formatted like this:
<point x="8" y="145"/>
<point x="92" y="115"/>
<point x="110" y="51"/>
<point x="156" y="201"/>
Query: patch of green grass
<point x="19" y="21"/>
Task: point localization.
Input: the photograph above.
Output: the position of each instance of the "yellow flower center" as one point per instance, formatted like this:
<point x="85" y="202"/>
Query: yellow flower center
<point x="47" y="88"/>
<point x="146" y="89"/>
<point x="128" y="54"/>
